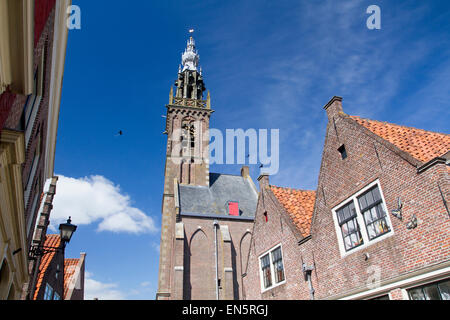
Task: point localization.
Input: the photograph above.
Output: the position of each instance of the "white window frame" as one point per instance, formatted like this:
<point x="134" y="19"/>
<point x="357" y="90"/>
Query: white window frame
<point x="361" y="222"/>
<point x="272" y="271"/>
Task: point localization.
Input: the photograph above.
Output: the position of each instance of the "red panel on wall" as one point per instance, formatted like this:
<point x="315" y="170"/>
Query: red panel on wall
<point x="233" y="208"/>
<point x="42" y="9"/>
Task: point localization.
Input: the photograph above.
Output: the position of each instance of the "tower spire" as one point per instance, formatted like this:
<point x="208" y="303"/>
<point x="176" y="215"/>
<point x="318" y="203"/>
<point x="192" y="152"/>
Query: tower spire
<point x="189" y="83"/>
<point x="190" y="56"/>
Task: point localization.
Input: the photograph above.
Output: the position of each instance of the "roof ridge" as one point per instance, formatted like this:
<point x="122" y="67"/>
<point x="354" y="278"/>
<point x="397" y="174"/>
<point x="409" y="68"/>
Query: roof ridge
<point x="304" y="190"/>
<point x="398" y="125"/>
<point x="226" y="174"/>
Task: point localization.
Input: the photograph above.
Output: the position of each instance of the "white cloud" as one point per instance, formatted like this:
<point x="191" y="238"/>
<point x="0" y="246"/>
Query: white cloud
<point x="96" y="199"/>
<point x="94" y="289"/>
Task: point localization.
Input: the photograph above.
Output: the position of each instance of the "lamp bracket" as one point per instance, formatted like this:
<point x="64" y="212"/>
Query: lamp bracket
<point x="38" y="250"/>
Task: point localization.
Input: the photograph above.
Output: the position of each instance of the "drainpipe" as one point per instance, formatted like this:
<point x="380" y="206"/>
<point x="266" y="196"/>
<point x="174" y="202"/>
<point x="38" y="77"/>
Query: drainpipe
<point x="307" y="270"/>
<point x="216" y="225"/>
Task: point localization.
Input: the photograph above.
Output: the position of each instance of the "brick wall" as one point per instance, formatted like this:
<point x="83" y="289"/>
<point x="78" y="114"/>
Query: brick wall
<point x="199" y="257"/>
<point x="54" y="276"/>
<point x="42" y="10"/>
<point x="369" y="159"/>
<point x="278" y="229"/>
<point x="7" y="99"/>
<point x="199" y="175"/>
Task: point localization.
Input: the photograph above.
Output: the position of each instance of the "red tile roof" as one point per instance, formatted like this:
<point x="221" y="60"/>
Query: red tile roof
<point x="299" y="204"/>
<point x="421" y="144"/>
<point x="70" y="266"/>
<point x="52" y="240"/>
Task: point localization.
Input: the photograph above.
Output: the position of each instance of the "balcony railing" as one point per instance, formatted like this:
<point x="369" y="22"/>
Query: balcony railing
<point x="185" y="102"/>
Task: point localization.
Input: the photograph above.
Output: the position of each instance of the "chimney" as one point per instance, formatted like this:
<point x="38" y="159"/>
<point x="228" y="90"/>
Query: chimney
<point x="245" y="173"/>
<point x="263" y="181"/>
<point x="334" y="107"/>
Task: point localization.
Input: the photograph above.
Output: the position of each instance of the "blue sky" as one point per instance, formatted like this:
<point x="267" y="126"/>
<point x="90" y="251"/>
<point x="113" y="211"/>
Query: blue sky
<point x="267" y="64"/>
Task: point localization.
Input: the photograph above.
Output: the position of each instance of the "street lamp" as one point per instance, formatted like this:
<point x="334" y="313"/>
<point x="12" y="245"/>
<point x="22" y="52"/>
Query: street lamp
<point x="66" y="231"/>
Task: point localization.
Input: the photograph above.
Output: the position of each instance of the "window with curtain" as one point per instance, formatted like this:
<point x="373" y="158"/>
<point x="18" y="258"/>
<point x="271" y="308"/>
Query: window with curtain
<point x="272" y="268"/>
<point x="265" y="268"/>
<point x="348" y="223"/>
<point x="278" y="265"/>
<point x="362" y="219"/>
<point x="371" y="206"/>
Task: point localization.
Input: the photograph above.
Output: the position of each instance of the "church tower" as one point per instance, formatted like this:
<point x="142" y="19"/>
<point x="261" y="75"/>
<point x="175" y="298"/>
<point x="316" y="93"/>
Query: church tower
<point x="206" y="217"/>
<point x="187" y="153"/>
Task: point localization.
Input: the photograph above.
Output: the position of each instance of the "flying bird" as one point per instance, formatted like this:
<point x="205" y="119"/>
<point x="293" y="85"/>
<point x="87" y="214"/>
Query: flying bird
<point x="119" y="133"/>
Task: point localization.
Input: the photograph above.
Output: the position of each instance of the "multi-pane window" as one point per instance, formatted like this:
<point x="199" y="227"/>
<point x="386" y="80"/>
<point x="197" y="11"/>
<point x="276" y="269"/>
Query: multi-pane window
<point x="361" y="219"/>
<point x="56" y="297"/>
<point x="265" y="268"/>
<point x="272" y="269"/>
<point x="371" y="206"/>
<point x="48" y="293"/>
<point x="277" y="261"/>
<point x="349" y="226"/>
<point x="434" y="291"/>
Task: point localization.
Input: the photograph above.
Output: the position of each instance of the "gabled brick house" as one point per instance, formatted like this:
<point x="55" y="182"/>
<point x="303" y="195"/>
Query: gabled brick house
<point x="283" y="219"/>
<point x="59" y="278"/>
<point x="74" y="270"/>
<point x="381" y="222"/>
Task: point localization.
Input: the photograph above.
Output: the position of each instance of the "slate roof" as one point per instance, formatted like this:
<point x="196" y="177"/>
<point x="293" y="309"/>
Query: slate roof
<point x="299" y="204"/>
<point x="213" y="200"/>
<point x="421" y="144"/>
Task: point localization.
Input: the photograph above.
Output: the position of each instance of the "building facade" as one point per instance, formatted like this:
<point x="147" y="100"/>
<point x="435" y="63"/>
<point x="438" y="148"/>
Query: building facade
<point x="74" y="275"/>
<point x="380" y="225"/>
<point x="206" y="217"/>
<point x="33" y="38"/>
<point x="282" y="220"/>
<point x="59" y="278"/>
